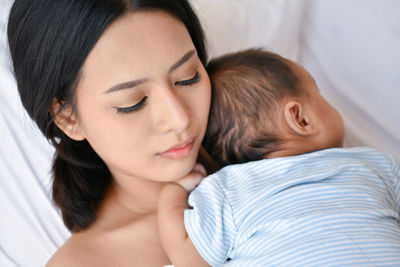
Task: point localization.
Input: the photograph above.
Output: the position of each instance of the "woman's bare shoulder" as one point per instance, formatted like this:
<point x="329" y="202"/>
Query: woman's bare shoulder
<point x="136" y="244"/>
<point x="79" y="250"/>
<point x="67" y="255"/>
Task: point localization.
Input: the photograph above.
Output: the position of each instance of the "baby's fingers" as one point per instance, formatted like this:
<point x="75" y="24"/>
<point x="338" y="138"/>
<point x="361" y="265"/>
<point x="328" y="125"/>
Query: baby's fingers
<point x="193" y="179"/>
<point x="200" y="169"/>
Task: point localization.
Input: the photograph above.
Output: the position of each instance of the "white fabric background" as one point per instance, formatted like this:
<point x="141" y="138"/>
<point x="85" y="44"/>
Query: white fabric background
<point x="240" y="24"/>
<point x="349" y="46"/>
<point x="352" y="48"/>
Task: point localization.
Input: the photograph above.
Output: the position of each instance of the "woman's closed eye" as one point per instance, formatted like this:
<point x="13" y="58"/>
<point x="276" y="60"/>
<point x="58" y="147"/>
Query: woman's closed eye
<point x="142" y="103"/>
<point x="191" y="81"/>
<point x="133" y="108"/>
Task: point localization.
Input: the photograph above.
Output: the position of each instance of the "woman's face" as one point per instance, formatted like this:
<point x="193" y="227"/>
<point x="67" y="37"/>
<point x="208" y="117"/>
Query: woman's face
<point x="144" y="97"/>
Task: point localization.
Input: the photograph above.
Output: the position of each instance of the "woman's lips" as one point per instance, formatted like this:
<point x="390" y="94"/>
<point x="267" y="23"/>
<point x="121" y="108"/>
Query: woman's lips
<point x="179" y="151"/>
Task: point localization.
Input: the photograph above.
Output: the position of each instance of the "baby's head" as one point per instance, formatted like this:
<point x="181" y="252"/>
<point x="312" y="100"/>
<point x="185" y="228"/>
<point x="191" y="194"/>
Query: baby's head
<point x="266" y="106"/>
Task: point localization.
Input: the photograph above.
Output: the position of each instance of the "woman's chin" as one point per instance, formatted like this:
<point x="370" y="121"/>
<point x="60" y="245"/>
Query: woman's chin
<point x="177" y="171"/>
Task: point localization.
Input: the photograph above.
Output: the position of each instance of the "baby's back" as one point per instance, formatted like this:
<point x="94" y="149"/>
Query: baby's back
<point x="330" y="207"/>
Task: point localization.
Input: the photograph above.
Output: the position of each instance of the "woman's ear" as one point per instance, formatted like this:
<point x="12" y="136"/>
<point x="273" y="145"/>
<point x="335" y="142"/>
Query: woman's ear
<point x="297" y="119"/>
<point x="66" y="121"/>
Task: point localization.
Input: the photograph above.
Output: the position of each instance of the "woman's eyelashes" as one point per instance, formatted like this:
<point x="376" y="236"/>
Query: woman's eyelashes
<point x="133" y="108"/>
<point x="142" y="103"/>
<point x="191" y="81"/>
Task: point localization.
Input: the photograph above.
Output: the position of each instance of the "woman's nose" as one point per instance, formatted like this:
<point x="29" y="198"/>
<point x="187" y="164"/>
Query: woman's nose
<point x="171" y="112"/>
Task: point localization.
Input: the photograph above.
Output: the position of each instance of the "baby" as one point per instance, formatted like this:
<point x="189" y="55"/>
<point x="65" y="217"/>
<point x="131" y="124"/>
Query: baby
<point x="289" y="194"/>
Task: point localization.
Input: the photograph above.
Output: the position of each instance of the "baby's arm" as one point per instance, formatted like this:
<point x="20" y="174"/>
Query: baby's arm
<point x="172" y="203"/>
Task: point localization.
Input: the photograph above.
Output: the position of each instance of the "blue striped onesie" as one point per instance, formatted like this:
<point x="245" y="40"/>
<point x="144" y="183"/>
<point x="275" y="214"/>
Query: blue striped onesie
<point x="333" y="207"/>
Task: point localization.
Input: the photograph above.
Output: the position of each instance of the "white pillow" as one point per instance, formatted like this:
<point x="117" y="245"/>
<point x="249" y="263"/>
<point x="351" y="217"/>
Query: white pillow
<point x="352" y="50"/>
<point x="232" y="25"/>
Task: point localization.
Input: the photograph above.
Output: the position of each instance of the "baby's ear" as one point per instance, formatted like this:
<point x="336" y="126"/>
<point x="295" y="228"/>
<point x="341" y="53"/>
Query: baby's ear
<point x="298" y="119"/>
<point x="66" y="120"/>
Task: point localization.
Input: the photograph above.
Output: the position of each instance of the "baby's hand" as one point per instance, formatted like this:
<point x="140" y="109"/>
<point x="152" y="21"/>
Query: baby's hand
<point x="193" y="179"/>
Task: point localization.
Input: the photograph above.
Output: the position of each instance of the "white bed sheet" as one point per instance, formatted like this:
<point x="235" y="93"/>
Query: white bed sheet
<point x="352" y="50"/>
<point x="350" y="47"/>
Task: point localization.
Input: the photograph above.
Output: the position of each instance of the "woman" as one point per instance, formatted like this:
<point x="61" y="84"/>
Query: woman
<point x="120" y="89"/>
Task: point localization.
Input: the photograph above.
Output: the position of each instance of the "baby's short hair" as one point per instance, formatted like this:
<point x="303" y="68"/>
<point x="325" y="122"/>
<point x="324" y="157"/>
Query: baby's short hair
<point x="247" y="88"/>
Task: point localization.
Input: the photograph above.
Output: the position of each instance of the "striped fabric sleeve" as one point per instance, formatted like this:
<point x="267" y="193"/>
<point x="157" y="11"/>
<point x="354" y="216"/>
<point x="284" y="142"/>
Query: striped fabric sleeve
<point x="209" y="223"/>
<point x="396" y="177"/>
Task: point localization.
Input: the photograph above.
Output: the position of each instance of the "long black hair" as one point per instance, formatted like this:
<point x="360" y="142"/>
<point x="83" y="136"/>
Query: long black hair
<point x="49" y="41"/>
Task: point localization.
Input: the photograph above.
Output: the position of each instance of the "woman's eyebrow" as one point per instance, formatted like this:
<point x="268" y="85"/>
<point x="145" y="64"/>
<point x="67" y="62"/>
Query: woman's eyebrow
<point x="134" y="83"/>
<point x="182" y="61"/>
<point x="125" y="85"/>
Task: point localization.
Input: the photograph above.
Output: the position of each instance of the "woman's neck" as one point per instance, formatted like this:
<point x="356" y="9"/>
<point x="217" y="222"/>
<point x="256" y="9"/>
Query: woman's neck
<point x="139" y="196"/>
<point x="128" y="201"/>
